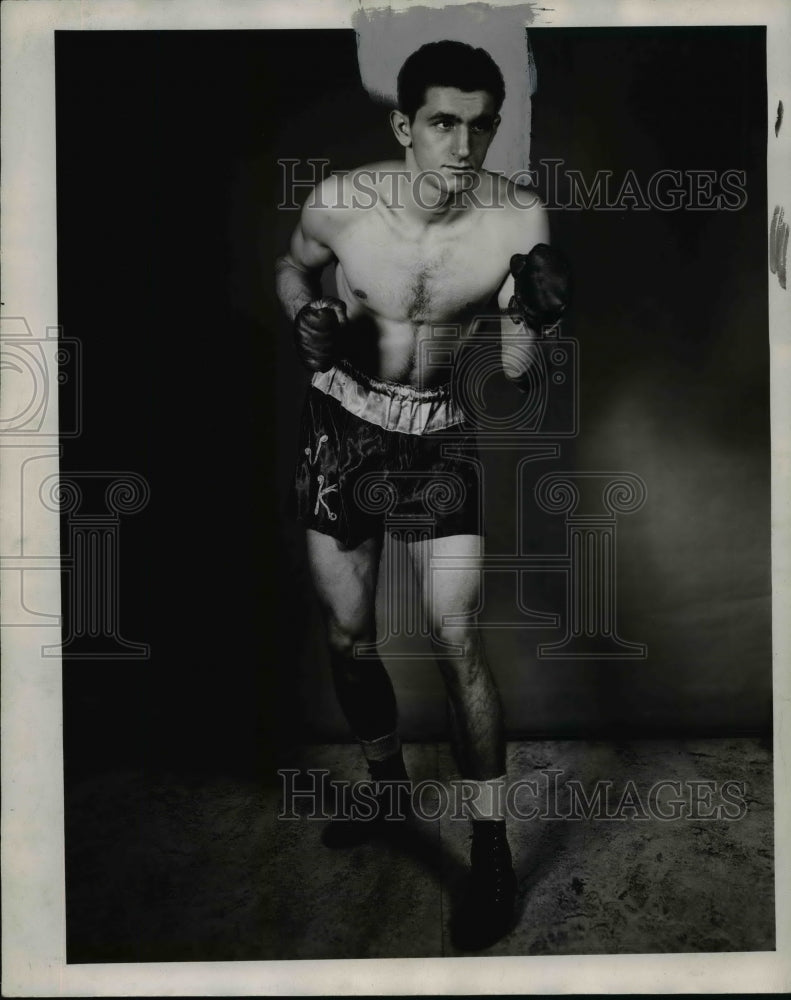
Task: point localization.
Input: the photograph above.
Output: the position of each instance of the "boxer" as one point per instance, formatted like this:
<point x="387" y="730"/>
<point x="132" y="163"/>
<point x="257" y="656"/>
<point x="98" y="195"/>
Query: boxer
<point x="379" y="411"/>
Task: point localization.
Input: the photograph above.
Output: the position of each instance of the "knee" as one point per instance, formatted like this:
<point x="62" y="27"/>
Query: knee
<point x="343" y="635"/>
<point x="458" y="651"/>
<point x="456" y="640"/>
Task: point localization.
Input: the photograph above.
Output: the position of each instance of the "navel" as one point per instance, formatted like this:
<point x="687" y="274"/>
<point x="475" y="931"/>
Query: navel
<point x="360" y="293"/>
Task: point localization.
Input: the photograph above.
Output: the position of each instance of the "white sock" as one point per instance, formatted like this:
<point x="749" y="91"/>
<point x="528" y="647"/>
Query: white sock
<point x="381" y="748"/>
<point x="488" y="801"/>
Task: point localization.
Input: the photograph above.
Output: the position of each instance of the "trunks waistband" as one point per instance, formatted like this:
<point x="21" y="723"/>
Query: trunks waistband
<point x="390" y="405"/>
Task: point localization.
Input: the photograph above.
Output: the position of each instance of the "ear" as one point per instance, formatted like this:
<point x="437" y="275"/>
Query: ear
<point x="400" y="126"/>
<point x="496" y="125"/>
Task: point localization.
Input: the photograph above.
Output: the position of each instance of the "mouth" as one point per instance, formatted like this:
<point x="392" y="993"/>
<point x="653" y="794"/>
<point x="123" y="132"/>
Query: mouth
<point x="460" y="170"/>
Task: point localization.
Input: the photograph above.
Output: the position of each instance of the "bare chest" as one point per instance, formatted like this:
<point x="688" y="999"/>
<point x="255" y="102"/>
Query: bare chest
<point x="437" y="277"/>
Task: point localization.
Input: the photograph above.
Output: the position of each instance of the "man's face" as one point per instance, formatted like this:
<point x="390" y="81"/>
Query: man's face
<point x="451" y="134"/>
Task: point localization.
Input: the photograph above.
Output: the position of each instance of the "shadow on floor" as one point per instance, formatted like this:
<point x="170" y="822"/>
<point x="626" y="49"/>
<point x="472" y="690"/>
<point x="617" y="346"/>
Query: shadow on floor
<point x="200" y="868"/>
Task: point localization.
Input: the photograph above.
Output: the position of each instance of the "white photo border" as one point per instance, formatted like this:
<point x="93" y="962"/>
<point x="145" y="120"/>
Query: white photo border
<point x="33" y="893"/>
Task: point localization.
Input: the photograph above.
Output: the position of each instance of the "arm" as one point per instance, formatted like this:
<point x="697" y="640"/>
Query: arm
<point x="517" y="338"/>
<point x="540" y="283"/>
<point x="316" y="319"/>
<point x="518" y="341"/>
<point x="298" y="272"/>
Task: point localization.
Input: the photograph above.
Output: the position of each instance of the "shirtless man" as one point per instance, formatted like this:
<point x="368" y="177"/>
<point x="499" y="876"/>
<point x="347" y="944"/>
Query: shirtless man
<point x="410" y="256"/>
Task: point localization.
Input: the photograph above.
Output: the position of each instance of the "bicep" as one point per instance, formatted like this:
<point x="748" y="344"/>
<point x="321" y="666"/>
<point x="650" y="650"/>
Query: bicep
<point x="532" y="227"/>
<point x="308" y="250"/>
<point x="540" y="225"/>
<point x="311" y="244"/>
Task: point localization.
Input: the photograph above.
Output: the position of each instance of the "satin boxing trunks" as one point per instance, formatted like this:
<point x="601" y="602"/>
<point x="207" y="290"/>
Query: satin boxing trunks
<point x="382" y="456"/>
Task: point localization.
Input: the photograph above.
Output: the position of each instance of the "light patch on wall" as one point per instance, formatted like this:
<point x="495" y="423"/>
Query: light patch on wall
<point x="386" y="37"/>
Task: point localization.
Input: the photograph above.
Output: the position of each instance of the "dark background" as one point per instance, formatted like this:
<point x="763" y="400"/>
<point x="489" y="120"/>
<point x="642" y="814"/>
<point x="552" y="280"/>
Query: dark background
<point x="167" y="229"/>
<point x="167" y="149"/>
<point x="671" y="318"/>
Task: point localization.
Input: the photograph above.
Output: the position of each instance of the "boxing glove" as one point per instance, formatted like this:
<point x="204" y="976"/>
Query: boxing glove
<point x="542" y="287"/>
<point x="316" y="329"/>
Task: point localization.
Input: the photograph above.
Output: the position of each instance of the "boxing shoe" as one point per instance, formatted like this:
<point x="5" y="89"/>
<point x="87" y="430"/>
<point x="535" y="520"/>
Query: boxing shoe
<point x="371" y="809"/>
<point x="487" y="912"/>
<point x="377" y="810"/>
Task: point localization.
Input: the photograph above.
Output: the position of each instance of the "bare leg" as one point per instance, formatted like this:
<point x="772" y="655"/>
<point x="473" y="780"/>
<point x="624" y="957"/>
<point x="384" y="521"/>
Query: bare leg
<point x="475" y="711"/>
<point x="345" y="581"/>
<point x="450" y="593"/>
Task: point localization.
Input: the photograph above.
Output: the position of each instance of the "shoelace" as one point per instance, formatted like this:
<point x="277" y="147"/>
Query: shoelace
<point x="492" y="872"/>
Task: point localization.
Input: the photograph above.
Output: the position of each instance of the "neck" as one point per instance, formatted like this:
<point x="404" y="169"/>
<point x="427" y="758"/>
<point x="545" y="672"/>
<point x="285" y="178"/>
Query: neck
<point x="425" y="202"/>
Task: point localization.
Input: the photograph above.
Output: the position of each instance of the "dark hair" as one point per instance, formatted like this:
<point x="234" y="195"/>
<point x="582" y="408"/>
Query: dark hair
<point x="447" y="64"/>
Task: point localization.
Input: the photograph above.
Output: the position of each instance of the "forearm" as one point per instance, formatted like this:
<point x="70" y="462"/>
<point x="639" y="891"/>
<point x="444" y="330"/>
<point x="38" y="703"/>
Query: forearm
<point x="541" y="294"/>
<point x="518" y="348"/>
<point x="295" y="286"/>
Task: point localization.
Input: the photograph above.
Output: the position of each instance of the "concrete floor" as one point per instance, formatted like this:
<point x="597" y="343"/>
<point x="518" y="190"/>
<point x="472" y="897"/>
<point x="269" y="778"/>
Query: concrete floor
<point x="188" y="869"/>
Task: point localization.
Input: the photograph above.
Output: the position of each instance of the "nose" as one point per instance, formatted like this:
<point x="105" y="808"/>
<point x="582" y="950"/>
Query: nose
<point x="462" y="150"/>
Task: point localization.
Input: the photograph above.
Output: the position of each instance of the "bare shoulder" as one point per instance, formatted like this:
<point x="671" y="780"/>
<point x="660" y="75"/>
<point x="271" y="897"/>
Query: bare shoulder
<point x="521" y="214"/>
<point x="338" y="200"/>
<point x="336" y="193"/>
<point x="379" y="171"/>
<point x="323" y="212"/>
<point x="521" y="222"/>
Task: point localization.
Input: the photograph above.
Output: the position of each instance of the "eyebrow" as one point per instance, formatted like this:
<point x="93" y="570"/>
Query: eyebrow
<point x="449" y="116"/>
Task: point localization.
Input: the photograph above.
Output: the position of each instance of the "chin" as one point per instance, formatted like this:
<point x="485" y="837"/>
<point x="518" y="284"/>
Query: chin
<point x="446" y="185"/>
<point x="465" y="180"/>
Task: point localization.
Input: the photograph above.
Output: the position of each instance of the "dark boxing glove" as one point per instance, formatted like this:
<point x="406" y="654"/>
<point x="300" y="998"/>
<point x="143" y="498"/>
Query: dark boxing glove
<point x="542" y="287"/>
<point x="316" y="329"/>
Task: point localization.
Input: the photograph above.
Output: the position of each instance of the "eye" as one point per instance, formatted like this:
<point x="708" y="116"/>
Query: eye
<point x="444" y="126"/>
